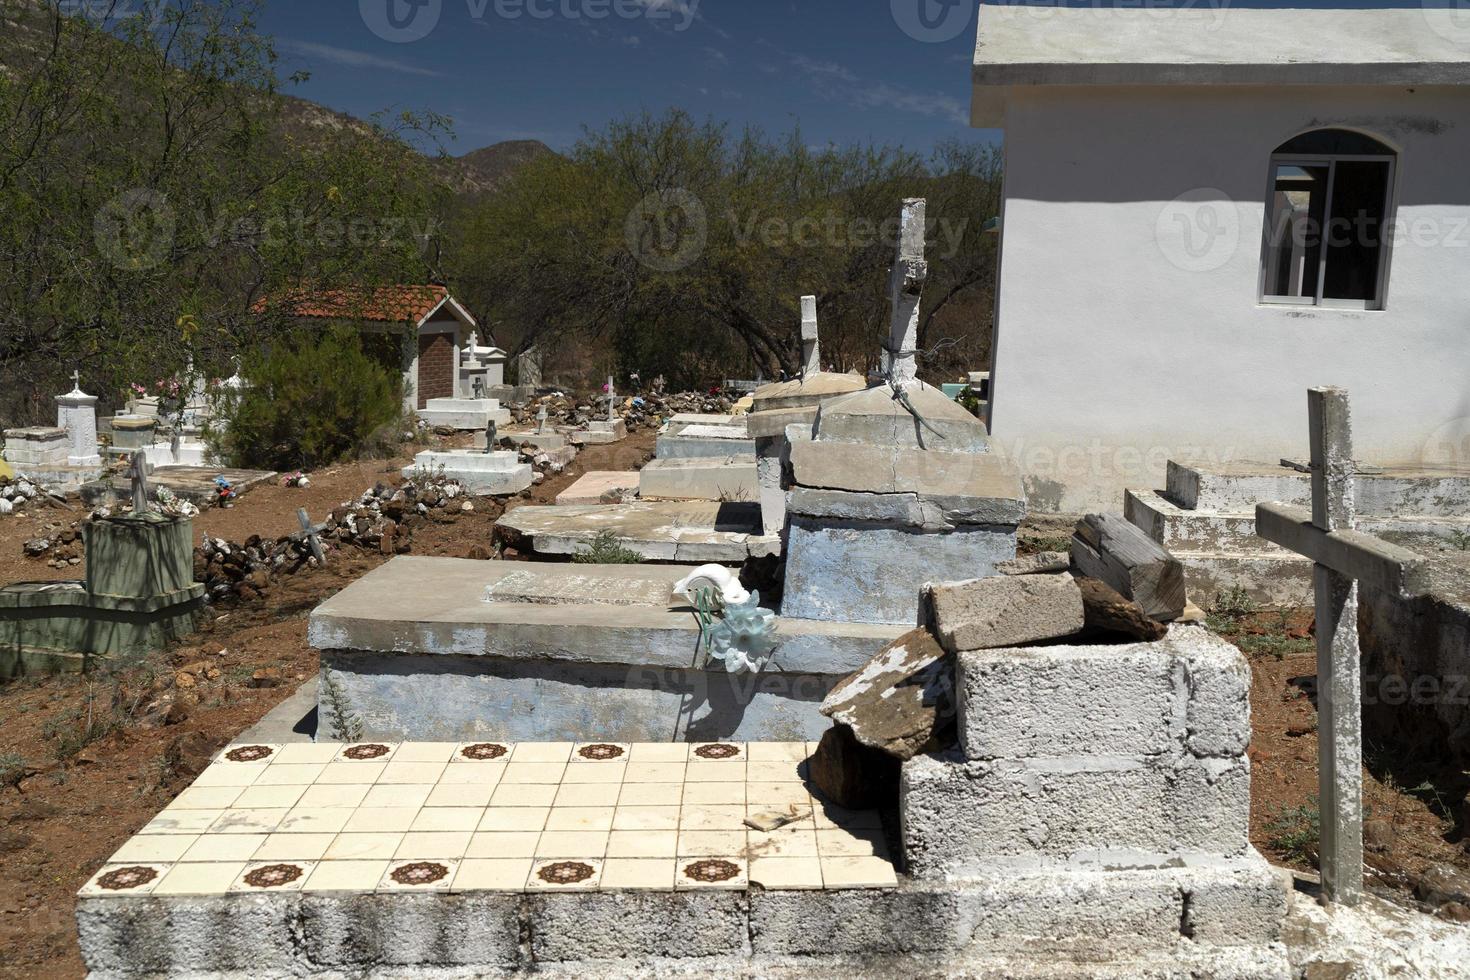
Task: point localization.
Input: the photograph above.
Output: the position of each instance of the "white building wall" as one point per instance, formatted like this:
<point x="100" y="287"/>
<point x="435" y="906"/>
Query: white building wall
<point x="1117" y="350"/>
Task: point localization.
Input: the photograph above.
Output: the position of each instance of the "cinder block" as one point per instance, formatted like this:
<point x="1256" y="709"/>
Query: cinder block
<point x="1219" y="693"/>
<point x="959" y="817"/>
<point x="1236" y="904"/>
<point x="637" y="925"/>
<point x="480" y="929"/>
<point x="179" y="936"/>
<point x="1004" y="611"/>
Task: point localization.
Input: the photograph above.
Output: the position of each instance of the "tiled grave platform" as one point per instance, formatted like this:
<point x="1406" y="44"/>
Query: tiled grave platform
<point x="488" y="816"/>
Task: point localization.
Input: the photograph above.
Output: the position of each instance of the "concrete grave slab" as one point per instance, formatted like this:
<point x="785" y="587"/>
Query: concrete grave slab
<point x="499" y="473"/>
<point x="691" y="531"/>
<point x="715" y="478"/>
<point x="718" y="441"/>
<point x="590" y="488"/>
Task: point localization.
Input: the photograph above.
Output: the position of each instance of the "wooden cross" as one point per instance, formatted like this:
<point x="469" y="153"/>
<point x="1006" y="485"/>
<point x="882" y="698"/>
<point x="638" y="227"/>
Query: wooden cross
<point x="311" y="534"/>
<point x="1343" y="557"/>
<point x="138" y="472"/>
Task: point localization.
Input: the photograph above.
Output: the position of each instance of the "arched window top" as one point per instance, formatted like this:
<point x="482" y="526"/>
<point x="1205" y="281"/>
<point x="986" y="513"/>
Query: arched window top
<point x="1333" y="142"/>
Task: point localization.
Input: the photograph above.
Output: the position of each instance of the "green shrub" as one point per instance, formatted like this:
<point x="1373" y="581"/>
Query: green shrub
<point x="1296" y="832"/>
<point x="311" y="401"/>
<point x="605" y="550"/>
<point x="12" y="768"/>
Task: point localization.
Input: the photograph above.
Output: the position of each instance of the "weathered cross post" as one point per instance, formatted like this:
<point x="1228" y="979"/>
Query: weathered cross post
<point x="541" y="417"/>
<point x="138" y="471"/>
<point x="492" y="436"/>
<point x="611" y="397"/>
<point x="311" y="533"/>
<point x="76" y="380"/>
<point x="906" y="284"/>
<point x="811" y="347"/>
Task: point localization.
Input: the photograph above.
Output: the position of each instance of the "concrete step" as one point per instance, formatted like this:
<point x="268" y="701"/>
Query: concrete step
<point x="700" y="478"/>
<point x="1431" y="492"/>
<point x="1178" y="529"/>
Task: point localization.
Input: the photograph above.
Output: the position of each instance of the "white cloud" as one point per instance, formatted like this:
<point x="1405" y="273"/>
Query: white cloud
<point x="354" y="59"/>
<point x="835" y="81"/>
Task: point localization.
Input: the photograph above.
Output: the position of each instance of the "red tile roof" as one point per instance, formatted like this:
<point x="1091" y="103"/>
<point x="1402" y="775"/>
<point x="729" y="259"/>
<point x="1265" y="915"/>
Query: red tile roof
<point x="372" y="304"/>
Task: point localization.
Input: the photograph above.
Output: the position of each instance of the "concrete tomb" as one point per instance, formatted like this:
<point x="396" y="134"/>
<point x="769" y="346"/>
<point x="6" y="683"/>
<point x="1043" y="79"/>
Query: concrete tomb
<point x="674" y="530"/>
<point x="731" y="478"/>
<point x="496" y="473"/>
<point x="701" y="440"/>
<point x="478" y="370"/>
<point x="65" y="456"/>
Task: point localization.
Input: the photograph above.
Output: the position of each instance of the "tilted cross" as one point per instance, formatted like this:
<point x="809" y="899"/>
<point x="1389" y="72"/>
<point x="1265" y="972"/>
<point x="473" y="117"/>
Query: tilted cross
<point x="1342" y="558"/>
<point x="138" y="471"/>
<point x="492" y="436"/>
<point x="811" y="349"/>
<point x="311" y="534"/>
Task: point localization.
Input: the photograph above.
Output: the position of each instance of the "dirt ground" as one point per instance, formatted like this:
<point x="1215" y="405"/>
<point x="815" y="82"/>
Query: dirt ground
<point x="101" y="755"/>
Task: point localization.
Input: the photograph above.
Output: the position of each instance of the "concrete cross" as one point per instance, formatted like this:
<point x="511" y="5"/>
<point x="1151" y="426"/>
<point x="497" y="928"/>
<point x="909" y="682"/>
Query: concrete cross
<point x="541" y="417"/>
<point x="910" y="270"/>
<point x="611" y="396"/>
<point x="76" y="380"/>
<point x="492" y="436"/>
<point x="811" y="348"/>
<point x="1342" y="557"/>
<point x="311" y="534"/>
<point x="138" y="472"/>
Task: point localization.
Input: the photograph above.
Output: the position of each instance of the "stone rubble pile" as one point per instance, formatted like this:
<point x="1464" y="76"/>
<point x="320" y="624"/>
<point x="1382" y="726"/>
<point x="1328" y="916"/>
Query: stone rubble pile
<point x="60" y="546"/>
<point x="643" y="410"/>
<point x="19" y="494"/>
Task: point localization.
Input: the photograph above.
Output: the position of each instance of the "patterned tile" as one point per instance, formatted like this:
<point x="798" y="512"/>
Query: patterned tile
<point x="482" y="753"/>
<point x="600" y="752"/>
<point x="248" y="754"/>
<point x="366" y="752"/>
<point x="564" y="876"/>
<point x="138" y="878"/>
<point x="418" y="876"/>
<point x="722" y="873"/>
<point x="273" y="876"/>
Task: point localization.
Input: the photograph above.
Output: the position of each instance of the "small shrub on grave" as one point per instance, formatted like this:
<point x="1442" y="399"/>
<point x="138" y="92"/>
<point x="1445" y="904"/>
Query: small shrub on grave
<point x="605" y="550"/>
<point x="1296" y="832"/>
<point x="312" y="400"/>
<point x="1234" y="603"/>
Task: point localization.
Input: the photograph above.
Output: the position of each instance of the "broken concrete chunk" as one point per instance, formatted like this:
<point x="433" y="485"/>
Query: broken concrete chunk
<point x="902" y="701"/>
<point x="1109" y="612"/>
<point x="1042" y="563"/>
<point x="852" y="775"/>
<point x="767" y="821"/>
<point x="1006" y="611"/>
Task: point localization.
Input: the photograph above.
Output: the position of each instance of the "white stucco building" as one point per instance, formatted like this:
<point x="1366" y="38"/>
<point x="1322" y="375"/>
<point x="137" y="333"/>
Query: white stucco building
<point x="1165" y="288"/>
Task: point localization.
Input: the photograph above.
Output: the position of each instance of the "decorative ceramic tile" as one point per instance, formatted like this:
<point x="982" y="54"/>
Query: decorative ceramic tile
<point x="280" y="774"/>
<point x="154" y="848"/>
<point x="533" y="772"/>
<point x="716" y="794"/>
<point x="229" y="774"/>
<point x="273" y="876"/>
<point x="658" y="752"/>
<point x="247" y="821"/>
<point x="411" y="773"/>
<point x="597" y="818"/>
<point x="776" y="751"/>
<point x="447" y="818"/>
<point x="504" y="845"/>
<point x="333" y="795"/>
<point x="654" y="772"/>
<point x="442" y="845"/>
<point x="600" y="752"/>
<point x="716" y="751"/>
<point x="363" y="847"/>
<point x="720" y="771"/>
<point x="710" y="873"/>
<point x="712" y="817"/>
<point x="515" y="818"/>
<point x="425" y="752"/>
<point x="643" y="844"/>
<point x="248" y="753"/>
<point x="307" y="753"/>
<point x="380" y="819"/>
<point x="781" y="843"/>
<point x="224" y="847"/>
<point x="638" y="874"/>
<point x="182" y="822"/>
<point x="608" y="773"/>
<point x="587" y="794"/>
<point x="367" y="752"/>
<point x="260" y="797"/>
<point x="419" y="876"/>
<point x="482" y="752"/>
<point x="693" y="843"/>
<point x="650" y="794"/>
<point x="212" y="878"/>
<point x="398" y="796"/>
<point x="293" y="847"/>
<point x="206" y="798"/>
<point x="492" y="875"/>
<point x="564" y="876"/>
<point x="460" y="795"/>
<point x="125" y="879"/>
<point x="346" y="876"/>
<point x="479" y="774"/>
<point x="852" y="843"/>
<point x="541" y="752"/>
<point x="572" y="843"/>
<point x="352" y="772"/>
<point x="858" y="872"/>
<point x="786" y="873"/>
<point x="646" y="818"/>
<point x="524" y="794"/>
<point x="310" y="821"/>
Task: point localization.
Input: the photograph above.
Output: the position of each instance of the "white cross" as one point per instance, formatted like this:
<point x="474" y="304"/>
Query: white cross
<point x="1342" y="557"/>
<point x="905" y="286"/>
<point x="611" y="415"/>
<point x="811" y="349"/>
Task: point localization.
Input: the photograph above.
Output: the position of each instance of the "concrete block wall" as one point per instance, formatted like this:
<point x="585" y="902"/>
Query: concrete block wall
<point x="37" y="448"/>
<point x="1087" y="756"/>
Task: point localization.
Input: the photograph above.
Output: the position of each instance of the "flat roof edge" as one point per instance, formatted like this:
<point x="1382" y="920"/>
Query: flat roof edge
<point x="1379" y="75"/>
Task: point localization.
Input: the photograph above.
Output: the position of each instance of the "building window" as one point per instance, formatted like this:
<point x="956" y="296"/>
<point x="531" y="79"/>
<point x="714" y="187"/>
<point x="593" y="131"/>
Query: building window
<point x="1328" y="215"/>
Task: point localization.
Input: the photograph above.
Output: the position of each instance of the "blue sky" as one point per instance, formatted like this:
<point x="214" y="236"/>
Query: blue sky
<point x="842" y="69"/>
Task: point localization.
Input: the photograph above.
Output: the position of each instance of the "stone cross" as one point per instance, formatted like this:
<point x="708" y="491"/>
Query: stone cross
<point x="906" y="283"/>
<point x="1339" y="692"/>
<point x="76" y="381"/>
<point x="311" y="533"/>
<point x="611" y="398"/>
<point x="541" y="417"/>
<point x="811" y="348"/>
<point x="138" y="472"/>
<point x="492" y="436"/>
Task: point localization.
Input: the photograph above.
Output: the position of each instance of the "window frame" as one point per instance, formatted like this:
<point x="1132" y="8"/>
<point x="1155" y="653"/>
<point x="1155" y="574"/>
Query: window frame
<point x="1390" y="205"/>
